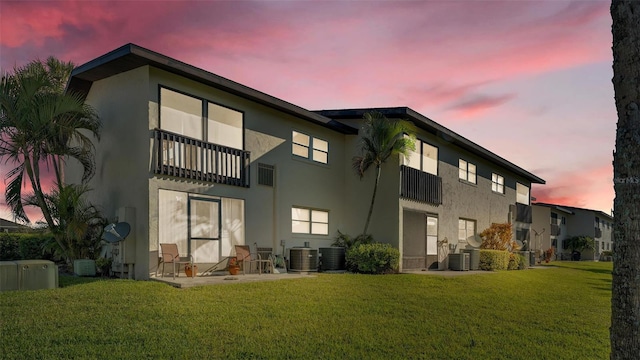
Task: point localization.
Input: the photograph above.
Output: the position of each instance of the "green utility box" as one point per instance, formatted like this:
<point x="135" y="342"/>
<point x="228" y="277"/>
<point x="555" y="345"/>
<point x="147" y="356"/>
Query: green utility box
<point x="84" y="267"/>
<point x="8" y="276"/>
<point x="37" y="274"/>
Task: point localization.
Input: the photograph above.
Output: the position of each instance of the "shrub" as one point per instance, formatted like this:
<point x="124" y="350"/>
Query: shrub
<point x="494" y="259"/>
<point x="498" y="237"/>
<point x="346" y="241"/>
<point x="516" y="262"/>
<point x="9" y="247"/>
<point x="24" y="246"/>
<point x="373" y="258"/>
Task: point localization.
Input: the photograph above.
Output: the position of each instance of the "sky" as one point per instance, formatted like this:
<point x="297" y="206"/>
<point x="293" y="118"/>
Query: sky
<point x="528" y="80"/>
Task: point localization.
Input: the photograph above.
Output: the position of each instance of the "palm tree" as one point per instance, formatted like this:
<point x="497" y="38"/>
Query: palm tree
<point x="380" y="139"/>
<point x="41" y="125"/>
<point x="625" y="294"/>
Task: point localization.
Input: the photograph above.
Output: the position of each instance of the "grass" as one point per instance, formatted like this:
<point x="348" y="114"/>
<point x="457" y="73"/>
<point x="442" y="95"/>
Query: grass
<point x="558" y="312"/>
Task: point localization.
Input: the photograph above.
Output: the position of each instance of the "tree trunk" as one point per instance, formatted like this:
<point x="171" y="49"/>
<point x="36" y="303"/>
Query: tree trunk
<point x="625" y="299"/>
<point x="373" y="199"/>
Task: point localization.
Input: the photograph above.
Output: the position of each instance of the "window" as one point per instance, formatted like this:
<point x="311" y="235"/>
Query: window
<point x="554" y="218"/>
<point x="522" y="194"/>
<point x="185" y="115"/>
<point x="425" y="158"/>
<point x="309" y="221"/>
<point x="564" y="220"/>
<point x="497" y="183"/>
<point x="466" y="230"/>
<point x="597" y="222"/>
<point x="302" y="144"/>
<point x="466" y="171"/>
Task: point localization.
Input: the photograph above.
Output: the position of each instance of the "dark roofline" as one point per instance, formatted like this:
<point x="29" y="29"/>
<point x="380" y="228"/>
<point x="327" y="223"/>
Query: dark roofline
<point x="599" y="212"/>
<point x="433" y="127"/>
<point x="553" y="206"/>
<point x="131" y="56"/>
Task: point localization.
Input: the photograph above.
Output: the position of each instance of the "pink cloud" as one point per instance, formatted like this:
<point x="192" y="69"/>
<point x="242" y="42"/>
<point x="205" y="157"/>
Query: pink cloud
<point x="589" y="188"/>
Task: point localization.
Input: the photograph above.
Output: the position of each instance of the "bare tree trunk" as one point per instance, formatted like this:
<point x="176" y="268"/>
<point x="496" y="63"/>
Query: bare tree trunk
<point x="625" y="299"/>
<point x="373" y="200"/>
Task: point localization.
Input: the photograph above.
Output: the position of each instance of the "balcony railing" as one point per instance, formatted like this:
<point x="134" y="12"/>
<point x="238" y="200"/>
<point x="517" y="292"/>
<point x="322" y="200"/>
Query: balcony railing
<point x="420" y="186"/>
<point x="185" y="157"/>
<point x="555" y="230"/>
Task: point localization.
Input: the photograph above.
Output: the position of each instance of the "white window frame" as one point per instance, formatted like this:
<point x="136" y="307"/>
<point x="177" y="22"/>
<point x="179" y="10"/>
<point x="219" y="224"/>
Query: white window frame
<point x="466" y="229"/>
<point x="313" y="217"/>
<point x="519" y="194"/>
<point x="497" y="183"/>
<point x="317" y="149"/>
<point x="420" y="150"/>
<point x="466" y="173"/>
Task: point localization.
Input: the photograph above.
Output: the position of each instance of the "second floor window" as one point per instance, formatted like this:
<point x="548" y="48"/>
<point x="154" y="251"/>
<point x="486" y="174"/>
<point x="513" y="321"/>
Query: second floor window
<point x="424" y="158"/>
<point x="310" y="147"/>
<point x="466" y="171"/>
<point x="522" y="194"/>
<point x="497" y="183"/>
<point x="200" y="119"/>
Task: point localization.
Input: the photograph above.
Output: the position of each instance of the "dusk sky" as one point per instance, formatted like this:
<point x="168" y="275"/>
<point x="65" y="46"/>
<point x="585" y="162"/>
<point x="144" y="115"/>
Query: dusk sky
<point x="528" y="80"/>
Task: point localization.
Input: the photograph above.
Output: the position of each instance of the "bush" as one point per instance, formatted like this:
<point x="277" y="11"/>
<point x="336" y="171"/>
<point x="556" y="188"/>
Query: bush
<point x="346" y="241"/>
<point x="517" y="262"/>
<point x="498" y="237"/>
<point x="494" y="259"/>
<point x="24" y="246"/>
<point x="373" y="258"/>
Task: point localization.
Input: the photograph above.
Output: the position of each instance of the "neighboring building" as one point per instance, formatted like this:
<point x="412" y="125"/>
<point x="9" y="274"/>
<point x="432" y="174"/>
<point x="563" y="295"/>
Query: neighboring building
<point x="7" y="226"/>
<point x="192" y="158"/>
<point x="560" y="222"/>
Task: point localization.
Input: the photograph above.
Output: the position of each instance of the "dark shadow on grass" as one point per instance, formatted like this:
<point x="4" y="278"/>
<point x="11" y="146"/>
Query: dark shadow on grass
<point x="71" y="280"/>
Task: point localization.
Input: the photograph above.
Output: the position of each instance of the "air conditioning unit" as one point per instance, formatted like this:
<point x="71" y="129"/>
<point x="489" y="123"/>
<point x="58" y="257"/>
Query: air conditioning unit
<point x="84" y="267"/>
<point x="459" y="262"/>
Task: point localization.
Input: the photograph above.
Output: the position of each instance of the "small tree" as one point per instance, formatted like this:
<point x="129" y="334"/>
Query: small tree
<point x="579" y="243"/>
<point x="381" y="138"/>
<point x="498" y="237"/>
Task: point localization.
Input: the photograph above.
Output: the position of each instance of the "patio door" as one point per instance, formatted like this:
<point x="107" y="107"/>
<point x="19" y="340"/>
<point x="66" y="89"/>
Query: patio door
<point x="420" y="241"/>
<point x="207" y="227"/>
<point x="204" y="229"/>
<point x="431" y="242"/>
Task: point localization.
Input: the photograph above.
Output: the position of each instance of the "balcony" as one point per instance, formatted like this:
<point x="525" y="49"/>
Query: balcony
<point x="598" y="233"/>
<point x="188" y="158"/>
<point x="420" y="186"/>
<point x="524" y="213"/>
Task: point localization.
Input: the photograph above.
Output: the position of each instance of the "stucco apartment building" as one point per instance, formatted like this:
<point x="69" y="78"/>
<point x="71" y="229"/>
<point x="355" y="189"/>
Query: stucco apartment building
<point x="553" y="224"/>
<point x="192" y="158"/>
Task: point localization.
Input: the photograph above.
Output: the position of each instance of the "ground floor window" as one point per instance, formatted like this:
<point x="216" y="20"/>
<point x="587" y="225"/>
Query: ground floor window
<point x="206" y="227"/>
<point x="466" y="230"/>
<point x="309" y="221"/>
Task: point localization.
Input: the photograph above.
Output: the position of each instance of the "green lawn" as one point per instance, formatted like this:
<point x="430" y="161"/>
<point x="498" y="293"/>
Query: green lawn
<point x="552" y="313"/>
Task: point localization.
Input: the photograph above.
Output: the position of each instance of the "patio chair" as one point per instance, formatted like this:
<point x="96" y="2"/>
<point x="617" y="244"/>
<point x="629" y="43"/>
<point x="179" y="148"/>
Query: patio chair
<point x="170" y="255"/>
<point x="244" y="256"/>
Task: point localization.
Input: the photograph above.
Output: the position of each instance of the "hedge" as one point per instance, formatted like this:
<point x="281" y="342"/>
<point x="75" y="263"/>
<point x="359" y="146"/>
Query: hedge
<point x="494" y="259"/>
<point x="24" y="246"/>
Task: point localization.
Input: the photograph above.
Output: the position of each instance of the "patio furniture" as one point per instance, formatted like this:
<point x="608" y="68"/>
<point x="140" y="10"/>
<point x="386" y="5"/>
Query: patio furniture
<point x="244" y="256"/>
<point x="170" y="255"/>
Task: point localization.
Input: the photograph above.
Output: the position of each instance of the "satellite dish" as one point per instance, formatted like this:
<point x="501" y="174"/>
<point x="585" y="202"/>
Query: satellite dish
<point x="117" y="232"/>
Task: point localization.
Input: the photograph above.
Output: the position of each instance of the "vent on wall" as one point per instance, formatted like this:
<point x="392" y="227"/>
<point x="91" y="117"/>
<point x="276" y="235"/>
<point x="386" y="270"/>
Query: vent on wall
<point x="266" y="174"/>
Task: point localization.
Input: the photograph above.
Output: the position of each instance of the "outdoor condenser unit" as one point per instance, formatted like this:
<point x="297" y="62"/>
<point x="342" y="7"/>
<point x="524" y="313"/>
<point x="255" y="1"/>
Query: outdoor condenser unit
<point x="84" y="267"/>
<point x="459" y="262"/>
